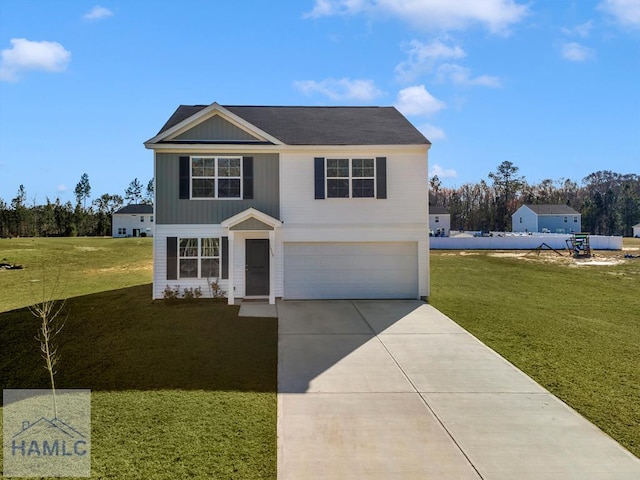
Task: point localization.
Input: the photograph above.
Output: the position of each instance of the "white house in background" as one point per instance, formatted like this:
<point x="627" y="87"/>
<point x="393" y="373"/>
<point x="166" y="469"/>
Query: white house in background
<point x="291" y="202"/>
<point x="439" y="221"/>
<point x="133" y="221"/>
<point x="546" y="219"/>
<point x="636" y="230"/>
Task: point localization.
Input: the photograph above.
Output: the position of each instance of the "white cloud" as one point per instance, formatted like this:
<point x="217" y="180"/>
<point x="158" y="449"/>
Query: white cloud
<point x="421" y="58"/>
<point x="461" y="76"/>
<point x="583" y="30"/>
<point x="98" y="13"/>
<point x="62" y="188"/>
<point x="416" y="100"/>
<point x="25" y="55"/>
<point x="625" y="12"/>
<point x="442" y="172"/>
<point x="432" y="132"/>
<point x="340" y="89"/>
<point x="496" y="15"/>
<point x="575" y="52"/>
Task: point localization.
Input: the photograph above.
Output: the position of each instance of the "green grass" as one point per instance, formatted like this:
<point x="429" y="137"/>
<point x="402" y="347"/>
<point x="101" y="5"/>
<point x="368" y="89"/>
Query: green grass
<point x="575" y="330"/>
<point x="184" y="390"/>
<point x="86" y="265"/>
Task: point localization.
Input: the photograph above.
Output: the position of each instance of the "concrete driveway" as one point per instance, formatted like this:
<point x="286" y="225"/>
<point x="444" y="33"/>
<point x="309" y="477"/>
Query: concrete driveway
<point x="396" y="390"/>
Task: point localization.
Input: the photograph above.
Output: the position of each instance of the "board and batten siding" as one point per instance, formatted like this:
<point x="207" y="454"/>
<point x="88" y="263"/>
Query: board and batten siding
<point x="218" y="129"/>
<point x="172" y="210"/>
<point x="405" y="202"/>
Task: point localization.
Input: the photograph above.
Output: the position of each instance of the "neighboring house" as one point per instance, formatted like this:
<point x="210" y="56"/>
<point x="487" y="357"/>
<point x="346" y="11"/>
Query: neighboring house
<point x="546" y="219"/>
<point x="439" y="221"/>
<point x="636" y="230"/>
<point x="291" y="202"/>
<point x="133" y="221"/>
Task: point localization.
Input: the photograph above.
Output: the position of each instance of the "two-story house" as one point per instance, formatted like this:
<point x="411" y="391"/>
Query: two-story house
<point x="291" y="202"/>
<point x="546" y="219"/>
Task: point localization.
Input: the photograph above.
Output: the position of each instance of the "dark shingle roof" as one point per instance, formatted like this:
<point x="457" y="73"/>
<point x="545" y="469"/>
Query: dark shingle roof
<point x="553" y="210"/>
<point x="133" y="209"/>
<point x="322" y="125"/>
<point x="433" y="210"/>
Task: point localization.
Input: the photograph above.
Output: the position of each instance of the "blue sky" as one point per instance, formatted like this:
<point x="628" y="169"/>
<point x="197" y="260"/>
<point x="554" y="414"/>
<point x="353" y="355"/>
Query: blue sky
<point x="552" y="86"/>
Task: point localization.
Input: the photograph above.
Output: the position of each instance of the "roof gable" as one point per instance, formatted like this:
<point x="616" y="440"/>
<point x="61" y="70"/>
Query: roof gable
<point x="294" y="125"/>
<point x="191" y="122"/>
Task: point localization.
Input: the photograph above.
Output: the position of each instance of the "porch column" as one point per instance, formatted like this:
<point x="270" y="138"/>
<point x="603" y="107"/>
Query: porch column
<point x="231" y="295"/>
<point x="272" y="273"/>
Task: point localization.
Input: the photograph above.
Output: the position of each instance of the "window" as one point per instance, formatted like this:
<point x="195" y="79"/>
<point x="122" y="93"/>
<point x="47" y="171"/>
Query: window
<point x="437" y="219"/>
<point x="565" y="219"/>
<point x="199" y="257"/>
<point x="575" y="219"/>
<point x="216" y="177"/>
<point x="151" y="218"/>
<point x="122" y="231"/>
<point x="520" y="219"/>
<point x="142" y="218"/>
<point x="350" y="178"/>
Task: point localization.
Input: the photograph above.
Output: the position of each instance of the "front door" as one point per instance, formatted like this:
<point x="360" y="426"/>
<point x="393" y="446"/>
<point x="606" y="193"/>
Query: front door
<point x="257" y="266"/>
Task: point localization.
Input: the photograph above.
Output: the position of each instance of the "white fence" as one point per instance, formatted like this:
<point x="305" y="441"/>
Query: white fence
<point x="520" y="242"/>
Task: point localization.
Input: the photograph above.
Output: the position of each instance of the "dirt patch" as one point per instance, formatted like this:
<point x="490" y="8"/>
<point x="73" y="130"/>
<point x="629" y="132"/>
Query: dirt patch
<point x="88" y="249"/>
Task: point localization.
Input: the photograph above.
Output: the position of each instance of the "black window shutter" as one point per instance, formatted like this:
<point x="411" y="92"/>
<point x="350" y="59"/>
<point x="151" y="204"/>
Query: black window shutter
<point x="247" y="177"/>
<point x="184" y="177"/>
<point x="225" y="258"/>
<point x="172" y="258"/>
<point x="381" y="177"/>
<point x="318" y="171"/>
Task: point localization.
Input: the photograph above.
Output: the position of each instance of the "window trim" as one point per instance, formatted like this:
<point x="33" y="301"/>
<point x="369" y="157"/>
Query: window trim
<point x="199" y="257"/>
<point x="350" y="178"/>
<point x="216" y="177"/>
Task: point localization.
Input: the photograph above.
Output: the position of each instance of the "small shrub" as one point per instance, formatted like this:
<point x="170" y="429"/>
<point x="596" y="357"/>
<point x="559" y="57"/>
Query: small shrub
<point x="192" y="293"/>
<point x="216" y="291"/>
<point x="171" y="293"/>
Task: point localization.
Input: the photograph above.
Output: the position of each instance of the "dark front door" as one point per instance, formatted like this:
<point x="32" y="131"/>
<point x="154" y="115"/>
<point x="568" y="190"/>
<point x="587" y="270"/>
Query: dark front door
<point x="257" y="266"/>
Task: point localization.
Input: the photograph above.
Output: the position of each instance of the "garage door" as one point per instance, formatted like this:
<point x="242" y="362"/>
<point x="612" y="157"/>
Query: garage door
<point x="350" y="270"/>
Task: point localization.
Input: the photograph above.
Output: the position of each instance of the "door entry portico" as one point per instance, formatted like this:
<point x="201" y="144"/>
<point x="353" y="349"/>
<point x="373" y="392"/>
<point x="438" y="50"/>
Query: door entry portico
<point x="257" y="267"/>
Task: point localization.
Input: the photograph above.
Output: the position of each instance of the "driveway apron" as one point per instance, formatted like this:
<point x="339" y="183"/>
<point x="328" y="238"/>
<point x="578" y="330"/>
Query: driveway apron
<point x="396" y="390"/>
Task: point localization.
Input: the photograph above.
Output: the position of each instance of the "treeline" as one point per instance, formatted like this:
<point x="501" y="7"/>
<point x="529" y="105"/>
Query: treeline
<point x="609" y="202"/>
<point x="87" y="217"/>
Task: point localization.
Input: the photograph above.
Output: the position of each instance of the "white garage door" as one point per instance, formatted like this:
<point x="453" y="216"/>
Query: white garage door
<point x="350" y="270"/>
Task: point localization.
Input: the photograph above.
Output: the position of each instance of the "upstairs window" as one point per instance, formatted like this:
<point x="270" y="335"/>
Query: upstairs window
<point x="350" y="177"/>
<point x="142" y="218"/>
<point x="216" y="177"/>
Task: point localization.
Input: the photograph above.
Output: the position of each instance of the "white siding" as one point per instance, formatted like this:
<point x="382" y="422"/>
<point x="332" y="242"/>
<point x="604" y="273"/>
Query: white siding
<point x="131" y="221"/>
<point x="160" y="256"/>
<point x="444" y="221"/>
<point x="406" y="200"/>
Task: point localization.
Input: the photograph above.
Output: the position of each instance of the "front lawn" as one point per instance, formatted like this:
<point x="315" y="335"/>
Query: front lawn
<point x="186" y="390"/>
<point x="85" y="265"/>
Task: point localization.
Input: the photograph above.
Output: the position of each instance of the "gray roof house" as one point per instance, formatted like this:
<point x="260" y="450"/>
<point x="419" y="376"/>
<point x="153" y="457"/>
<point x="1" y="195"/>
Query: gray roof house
<point x="546" y="219"/>
<point x="291" y="202"/>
